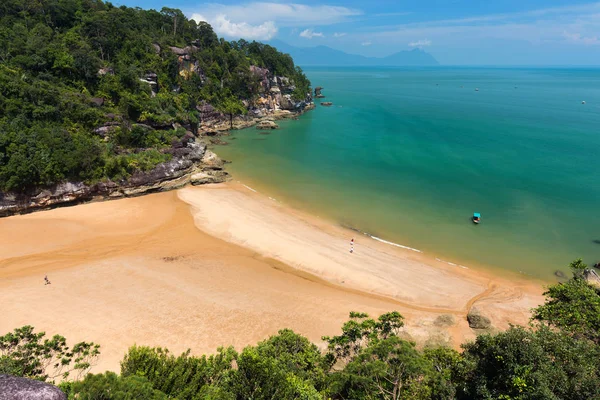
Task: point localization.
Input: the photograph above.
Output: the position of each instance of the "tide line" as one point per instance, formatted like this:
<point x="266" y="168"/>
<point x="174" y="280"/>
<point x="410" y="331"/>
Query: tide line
<point x="249" y="188"/>
<point x="395" y="244"/>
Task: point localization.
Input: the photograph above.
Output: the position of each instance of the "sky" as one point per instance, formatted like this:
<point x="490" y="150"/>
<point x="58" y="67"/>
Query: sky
<point x="455" y="32"/>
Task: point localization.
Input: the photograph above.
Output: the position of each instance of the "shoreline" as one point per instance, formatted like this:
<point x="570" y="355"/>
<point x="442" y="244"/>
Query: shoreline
<point x="428" y="256"/>
<point x="485" y="278"/>
<point x="150" y="270"/>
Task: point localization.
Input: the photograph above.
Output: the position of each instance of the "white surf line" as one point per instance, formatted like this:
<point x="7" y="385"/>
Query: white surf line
<point x="249" y="188"/>
<point x="451" y="263"/>
<point x="394" y="244"/>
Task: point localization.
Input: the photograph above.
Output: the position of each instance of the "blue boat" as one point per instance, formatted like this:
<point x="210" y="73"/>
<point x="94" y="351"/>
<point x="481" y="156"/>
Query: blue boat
<point x="476" y="218"/>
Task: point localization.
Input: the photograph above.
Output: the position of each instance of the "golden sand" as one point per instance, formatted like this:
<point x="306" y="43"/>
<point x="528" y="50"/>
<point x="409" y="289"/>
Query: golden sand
<point x="220" y="265"/>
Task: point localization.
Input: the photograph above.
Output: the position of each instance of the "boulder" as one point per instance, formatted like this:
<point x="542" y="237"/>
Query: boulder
<point x="286" y="102"/>
<point x="559" y="274"/>
<point x="326" y="103"/>
<point x="592" y="277"/>
<point x="98" y="101"/>
<point x="477" y="320"/>
<point x="208" y="176"/>
<point x="14" y="388"/>
<point x="212" y="161"/>
<point x="267" y="124"/>
<point x="106" y="71"/>
<point x="104" y="131"/>
<point x="445" y="320"/>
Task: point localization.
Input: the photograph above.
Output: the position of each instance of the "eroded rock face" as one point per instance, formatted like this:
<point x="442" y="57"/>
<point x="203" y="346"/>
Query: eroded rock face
<point x="592" y="277"/>
<point x="187" y="160"/>
<point x="15" y="388"/>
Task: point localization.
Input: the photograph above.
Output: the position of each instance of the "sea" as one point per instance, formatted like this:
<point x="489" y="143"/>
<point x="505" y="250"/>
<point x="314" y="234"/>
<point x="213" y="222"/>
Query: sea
<point x="407" y="155"/>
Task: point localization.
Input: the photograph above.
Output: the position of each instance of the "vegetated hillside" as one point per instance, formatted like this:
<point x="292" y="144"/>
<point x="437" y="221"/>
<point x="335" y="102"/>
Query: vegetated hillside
<point x="90" y="91"/>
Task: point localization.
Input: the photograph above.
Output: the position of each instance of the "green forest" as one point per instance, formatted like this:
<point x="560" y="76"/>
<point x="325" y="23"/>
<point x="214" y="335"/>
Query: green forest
<point x="556" y="357"/>
<point x="70" y="66"/>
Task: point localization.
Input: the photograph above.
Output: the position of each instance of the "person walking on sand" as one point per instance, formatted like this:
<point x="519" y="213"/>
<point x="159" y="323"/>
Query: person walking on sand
<point x="352" y="245"/>
<point x="46" y="280"/>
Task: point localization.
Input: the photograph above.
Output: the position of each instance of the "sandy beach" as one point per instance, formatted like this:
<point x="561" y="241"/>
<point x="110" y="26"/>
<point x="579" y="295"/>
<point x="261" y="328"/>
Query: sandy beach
<point x="222" y="265"/>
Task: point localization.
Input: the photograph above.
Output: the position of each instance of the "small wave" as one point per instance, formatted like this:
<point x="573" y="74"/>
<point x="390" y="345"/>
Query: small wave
<point x="271" y="198"/>
<point x="395" y="244"/>
<point x="451" y="263"/>
<point x="249" y="188"/>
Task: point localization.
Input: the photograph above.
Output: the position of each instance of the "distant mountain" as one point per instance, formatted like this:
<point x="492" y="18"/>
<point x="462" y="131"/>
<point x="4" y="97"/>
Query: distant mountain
<point x="326" y="56"/>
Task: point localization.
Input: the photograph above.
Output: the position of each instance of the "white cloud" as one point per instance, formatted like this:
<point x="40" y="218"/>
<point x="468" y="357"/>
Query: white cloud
<point x="309" y="34"/>
<point x="339" y="34"/>
<point x="366" y="43"/>
<point x="225" y="27"/>
<point x="535" y="26"/>
<point x="578" y="38"/>
<point x="420" y="43"/>
<point x="256" y="13"/>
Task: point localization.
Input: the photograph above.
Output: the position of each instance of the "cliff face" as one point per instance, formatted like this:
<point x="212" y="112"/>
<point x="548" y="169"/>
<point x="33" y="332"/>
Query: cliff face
<point x="275" y="101"/>
<point x="191" y="163"/>
<point x="275" y="97"/>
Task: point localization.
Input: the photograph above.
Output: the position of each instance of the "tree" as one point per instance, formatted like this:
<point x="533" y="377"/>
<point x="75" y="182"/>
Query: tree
<point x="285" y="366"/>
<point x="28" y="354"/>
<point x="369" y="360"/>
<point x="83" y="73"/>
<point x="110" y="386"/>
<point x="231" y="106"/>
<point x="182" y="377"/>
<point x="529" y="364"/>
<point x="573" y="306"/>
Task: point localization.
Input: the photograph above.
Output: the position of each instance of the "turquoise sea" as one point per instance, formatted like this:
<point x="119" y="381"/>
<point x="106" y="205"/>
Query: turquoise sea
<point x="408" y="155"/>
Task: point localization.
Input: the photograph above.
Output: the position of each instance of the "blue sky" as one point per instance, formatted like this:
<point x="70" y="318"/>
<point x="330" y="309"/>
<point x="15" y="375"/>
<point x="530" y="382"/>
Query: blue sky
<point x="456" y="32"/>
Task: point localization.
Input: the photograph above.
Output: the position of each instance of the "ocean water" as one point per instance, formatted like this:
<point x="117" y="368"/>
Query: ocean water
<point x="408" y="155"/>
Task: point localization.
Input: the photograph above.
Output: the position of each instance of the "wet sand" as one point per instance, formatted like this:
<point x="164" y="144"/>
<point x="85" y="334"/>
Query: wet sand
<point x="221" y="265"/>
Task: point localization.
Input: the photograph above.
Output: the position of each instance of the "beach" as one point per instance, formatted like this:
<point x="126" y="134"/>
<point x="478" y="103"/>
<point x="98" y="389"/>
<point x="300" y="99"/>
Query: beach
<point x="220" y="265"/>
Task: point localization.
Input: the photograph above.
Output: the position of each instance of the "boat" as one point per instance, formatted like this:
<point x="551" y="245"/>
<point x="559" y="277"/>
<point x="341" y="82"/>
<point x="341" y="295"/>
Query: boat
<point x="476" y="218"/>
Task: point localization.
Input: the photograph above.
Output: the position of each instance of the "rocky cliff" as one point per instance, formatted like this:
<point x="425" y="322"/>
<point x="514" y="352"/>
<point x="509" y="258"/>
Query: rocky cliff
<point x="191" y="162"/>
<point x="275" y="101"/>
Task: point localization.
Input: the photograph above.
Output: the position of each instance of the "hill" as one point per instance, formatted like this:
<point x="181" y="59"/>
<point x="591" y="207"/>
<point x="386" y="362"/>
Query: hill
<point x="96" y="94"/>
<point x="326" y="56"/>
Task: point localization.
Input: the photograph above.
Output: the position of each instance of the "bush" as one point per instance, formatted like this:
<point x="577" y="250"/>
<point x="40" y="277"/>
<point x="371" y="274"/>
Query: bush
<point x="110" y="386"/>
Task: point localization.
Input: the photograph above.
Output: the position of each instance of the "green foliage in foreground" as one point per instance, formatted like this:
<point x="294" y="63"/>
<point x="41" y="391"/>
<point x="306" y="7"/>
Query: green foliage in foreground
<point x="573" y="306"/>
<point x="68" y="67"/>
<point x="557" y="359"/>
<point x="26" y="353"/>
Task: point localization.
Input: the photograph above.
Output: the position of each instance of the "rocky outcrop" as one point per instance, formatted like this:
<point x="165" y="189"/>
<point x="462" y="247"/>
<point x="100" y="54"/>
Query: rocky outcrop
<point x="327" y="103"/>
<point x="189" y="159"/>
<point x="477" y="320"/>
<point x="15" y="388"/>
<point x="266" y="124"/>
<point x="318" y="93"/>
<point x="592" y="277"/>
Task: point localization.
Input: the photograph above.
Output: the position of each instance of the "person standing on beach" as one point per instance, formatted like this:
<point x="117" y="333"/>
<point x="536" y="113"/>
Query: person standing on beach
<point x="46" y="280"/>
<point x="352" y="245"/>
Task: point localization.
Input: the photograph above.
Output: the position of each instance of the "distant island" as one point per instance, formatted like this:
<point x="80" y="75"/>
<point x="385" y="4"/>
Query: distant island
<point x="327" y="56"/>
